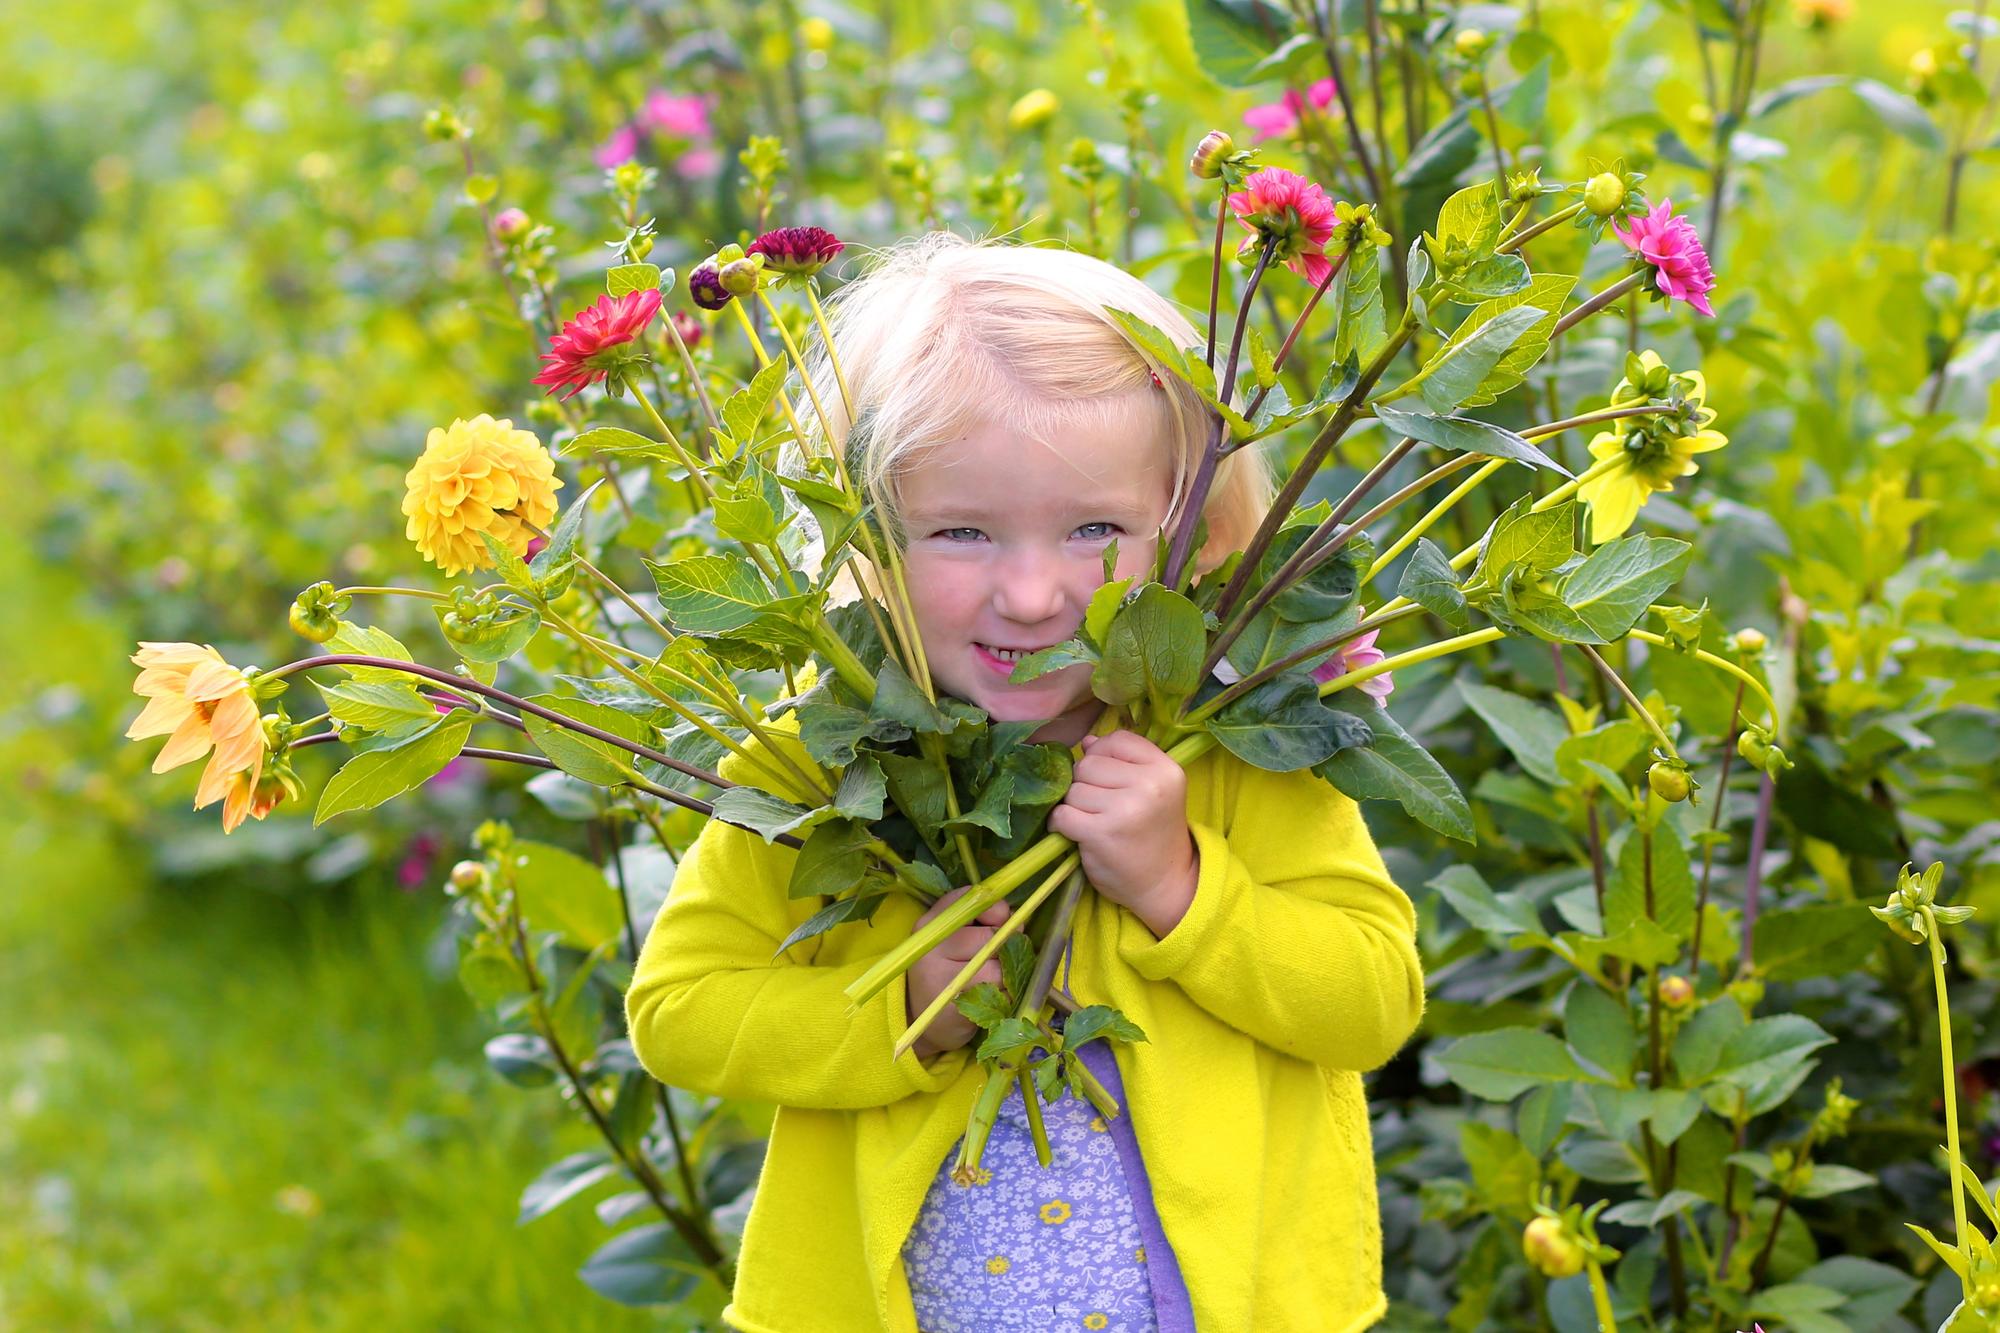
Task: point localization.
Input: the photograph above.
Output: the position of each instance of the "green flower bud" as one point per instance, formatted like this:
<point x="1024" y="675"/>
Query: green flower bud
<point x="1209" y="154"/>
<point x="1471" y="83"/>
<point x="1669" y="781"/>
<point x="1749" y="641"/>
<point x="442" y="124"/>
<point x="1551" y="1249"/>
<point x="1676" y="992"/>
<point x="1470" y="43"/>
<point x="1034" y="110"/>
<point x="1604" y="194"/>
<point x="467" y="876"/>
<point x="739" y="276"/>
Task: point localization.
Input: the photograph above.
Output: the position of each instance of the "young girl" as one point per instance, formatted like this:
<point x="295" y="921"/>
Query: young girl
<point x="1242" y="918"/>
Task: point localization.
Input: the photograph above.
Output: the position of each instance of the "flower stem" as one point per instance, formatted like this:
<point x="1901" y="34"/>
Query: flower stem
<point x="1724" y="664"/>
<point x="799" y="364"/>
<point x="1215" y="273"/>
<point x="764" y="359"/>
<point x="1278" y="362"/>
<point x="1547" y="224"/>
<point x="1950" y="1085"/>
<point x="1632" y="700"/>
<point x="1714" y="824"/>
<point x="652" y="621"/>
<point x="1600" y="1299"/>
<point x="832" y="354"/>
<point x="391" y="592"/>
<point x="1597" y="303"/>
<point x="672" y="441"/>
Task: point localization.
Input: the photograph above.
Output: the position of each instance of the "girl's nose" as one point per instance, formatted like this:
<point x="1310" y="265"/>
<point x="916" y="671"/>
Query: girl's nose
<point x="1029" y="592"/>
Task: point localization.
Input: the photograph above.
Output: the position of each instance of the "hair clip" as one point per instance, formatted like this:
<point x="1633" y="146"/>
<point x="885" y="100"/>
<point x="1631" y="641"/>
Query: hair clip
<point x="1156" y="379"/>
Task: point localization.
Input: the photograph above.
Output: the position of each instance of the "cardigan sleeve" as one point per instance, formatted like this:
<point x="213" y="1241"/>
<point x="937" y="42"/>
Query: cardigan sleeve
<point x="1296" y="935"/>
<point x="711" y="1010"/>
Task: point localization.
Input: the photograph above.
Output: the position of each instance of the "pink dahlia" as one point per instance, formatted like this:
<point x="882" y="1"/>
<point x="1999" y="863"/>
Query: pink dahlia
<point x="595" y="341"/>
<point x="620" y="148"/>
<point x="797" y="251"/>
<point x="1283" y="116"/>
<point x="1354" y="655"/>
<point x="1286" y="208"/>
<point x="1671" y="246"/>
<point x="683" y="117"/>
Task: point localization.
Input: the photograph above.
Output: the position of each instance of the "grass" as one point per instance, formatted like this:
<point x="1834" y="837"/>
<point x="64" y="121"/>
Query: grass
<point x="226" y="1109"/>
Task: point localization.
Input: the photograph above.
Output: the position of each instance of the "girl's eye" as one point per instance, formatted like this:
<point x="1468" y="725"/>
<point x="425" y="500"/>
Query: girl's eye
<point x="961" y="534"/>
<point x="1088" y="534"/>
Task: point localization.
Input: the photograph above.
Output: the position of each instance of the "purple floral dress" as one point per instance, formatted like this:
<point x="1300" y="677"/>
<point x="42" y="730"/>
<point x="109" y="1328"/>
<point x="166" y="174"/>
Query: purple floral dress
<point x="1033" y="1249"/>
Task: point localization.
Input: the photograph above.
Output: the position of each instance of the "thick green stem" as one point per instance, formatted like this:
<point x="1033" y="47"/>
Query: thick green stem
<point x="1950" y="1086"/>
<point x="1600" y="1300"/>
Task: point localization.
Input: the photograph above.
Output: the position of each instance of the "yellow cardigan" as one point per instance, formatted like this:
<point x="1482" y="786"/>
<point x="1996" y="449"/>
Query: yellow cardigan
<point x="1294" y="970"/>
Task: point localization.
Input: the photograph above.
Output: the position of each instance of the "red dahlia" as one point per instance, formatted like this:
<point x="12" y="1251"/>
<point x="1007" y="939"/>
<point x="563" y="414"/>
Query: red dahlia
<point x="595" y="341"/>
<point x="797" y="251"/>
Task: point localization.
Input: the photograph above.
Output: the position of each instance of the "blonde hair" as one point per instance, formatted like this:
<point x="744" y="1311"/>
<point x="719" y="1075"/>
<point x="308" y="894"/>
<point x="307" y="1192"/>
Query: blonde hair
<point x="945" y="335"/>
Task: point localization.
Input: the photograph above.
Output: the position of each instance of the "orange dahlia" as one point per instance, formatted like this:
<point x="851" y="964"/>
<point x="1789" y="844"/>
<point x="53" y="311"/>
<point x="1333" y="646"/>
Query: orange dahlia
<point x="201" y="703"/>
<point x="478" y="476"/>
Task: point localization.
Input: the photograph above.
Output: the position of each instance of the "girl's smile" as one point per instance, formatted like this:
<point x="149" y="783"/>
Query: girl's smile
<point x="1006" y="539"/>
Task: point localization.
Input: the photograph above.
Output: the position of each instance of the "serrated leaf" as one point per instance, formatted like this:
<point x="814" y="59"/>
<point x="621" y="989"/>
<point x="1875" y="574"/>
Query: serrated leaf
<point x="766" y="815"/>
<point x="1430" y="581"/>
<point x="985" y="1004"/>
<point x="1095" y="1021"/>
<point x="563" y="536"/>
<point x="367" y="780"/>
<point x="615" y="442"/>
<point x="1465" y="435"/>
<point x="1010" y="1036"/>
<point x="711" y="594"/>
<point x="631" y="278"/>
<point x="594" y="761"/>
<point x="1547" y="292"/>
<point x="1394" y="767"/>
<point x="746" y="407"/>
<point x="1612" y="588"/>
<point x="1527" y="538"/>
<point x="833" y="860"/>
<point x="833" y="914"/>
<point x="390" y="708"/>
<point x="1282" y="725"/>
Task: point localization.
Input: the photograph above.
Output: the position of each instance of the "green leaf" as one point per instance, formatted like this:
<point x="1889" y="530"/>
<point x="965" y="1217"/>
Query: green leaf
<point x="1327" y="590"/>
<point x="1394" y="767"/>
<point x="1094" y="1021"/>
<point x="985" y="1004"/>
<point x="1154" y="343"/>
<point x="1465" y="435"/>
<point x="1874" y="1291"/>
<point x="1525" y="538"/>
<point x="500" y="634"/>
<point x="766" y="815"/>
<point x="1232" y="38"/>
<point x="614" y="442"/>
<point x="367" y="780"/>
<point x="1505" y="1174"/>
<point x="1547" y="292"/>
<point x="1010" y="1036"/>
<point x="1650" y="1213"/>
<point x="1899" y="112"/>
<point x="746" y="407"/>
<point x="648" y="1265"/>
<point x="1500" y="915"/>
<point x="711" y="594"/>
<point x="833" y="860"/>
<point x="1611" y="590"/>
<point x="560" y="891"/>
<point x="563" y="536"/>
<point x="1459" y="368"/>
<point x="1472" y="218"/>
<point x="1600" y="1031"/>
<point x="1282" y="725"/>
<point x="1430" y="581"/>
<point x="594" y="761"/>
<point x="900" y="702"/>
<point x="1673" y="887"/>
<point x="751" y="508"/>
<point x="1824" y="940"/>
<point x="392" y="709"/>
<point x="839" y="911"/>
<point x="1611" y="747"/>
<point x="511" y="568"/>
<point x="1071" y="652"/>
<point x="368" y="641"/>
<point x="1502" y="1064"/>
<point x="1529" y="731"/>
<point x="1767" y="1048"/>
<point x="1152" y="649"/>
<point x="628" y="278"/>
<point x="562" y="1182"/>
<point x="1699" y="1044"/>
<point x="1493" y="276"/>
<point x="1446" y="149"/>
<point x="1540" y="1117"/>
<point x="1359" y="329"/>
<point x="523" y="1059"/>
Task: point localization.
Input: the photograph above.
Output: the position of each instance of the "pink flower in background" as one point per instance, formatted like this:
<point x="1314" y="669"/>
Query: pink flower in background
<point x="684" y="116"/>
<point x="697" y="163"/>
<point x="1356" y="654"/>
<point x="1283" y="116"/>
<point x="1285" y="207"/>
<point x="620" y="148"/>
<point x="415" y="867"/>
<point x="1671" y="246"/>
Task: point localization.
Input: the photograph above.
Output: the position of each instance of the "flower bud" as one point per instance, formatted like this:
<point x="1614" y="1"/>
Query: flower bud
<point x="639" y="247"/>
<point x="739" y="276"/>
<point x="1470" y="43"/>
<point x="467" y="876"/>
<point x="1034" y="110"/>
<point x="705" y="286"/>
<point x="1749" y="641"/>
<point x="442" y="124"/>
<point x="315" y="613"/>
<point x="1676" y="992"/>
<point x="510" y="224"/>
<point x="689" y="328"/>
<point x="1471" y="83"/>
<point x="1551" y="1249"/>
<point x="1604" y="194"/>
<point x="1668" y="781"/>
<point x="1209" y="154"/>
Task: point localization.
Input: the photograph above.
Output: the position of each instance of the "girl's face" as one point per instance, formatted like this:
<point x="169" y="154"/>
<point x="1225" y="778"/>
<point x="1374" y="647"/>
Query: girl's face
<point x="1006" y="545"/>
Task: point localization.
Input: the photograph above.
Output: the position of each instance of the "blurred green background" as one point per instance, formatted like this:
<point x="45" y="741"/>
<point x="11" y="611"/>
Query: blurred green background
<point x="239" y="1083"/>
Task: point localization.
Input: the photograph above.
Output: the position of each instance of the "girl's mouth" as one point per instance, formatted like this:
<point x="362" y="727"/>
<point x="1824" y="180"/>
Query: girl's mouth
<point x="1001" y="660"/>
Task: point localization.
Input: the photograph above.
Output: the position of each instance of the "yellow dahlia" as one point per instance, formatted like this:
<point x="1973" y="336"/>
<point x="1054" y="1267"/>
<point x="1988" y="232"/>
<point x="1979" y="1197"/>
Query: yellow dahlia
<point x="200" y="702"/>
<point x="1652" y="452"/>
<point x="478" y="476"/>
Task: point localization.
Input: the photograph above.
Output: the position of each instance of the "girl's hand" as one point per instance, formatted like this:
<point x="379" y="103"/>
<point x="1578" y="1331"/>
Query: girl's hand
<point x="934" y="971"/>
<point x="1126" y="810"/>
